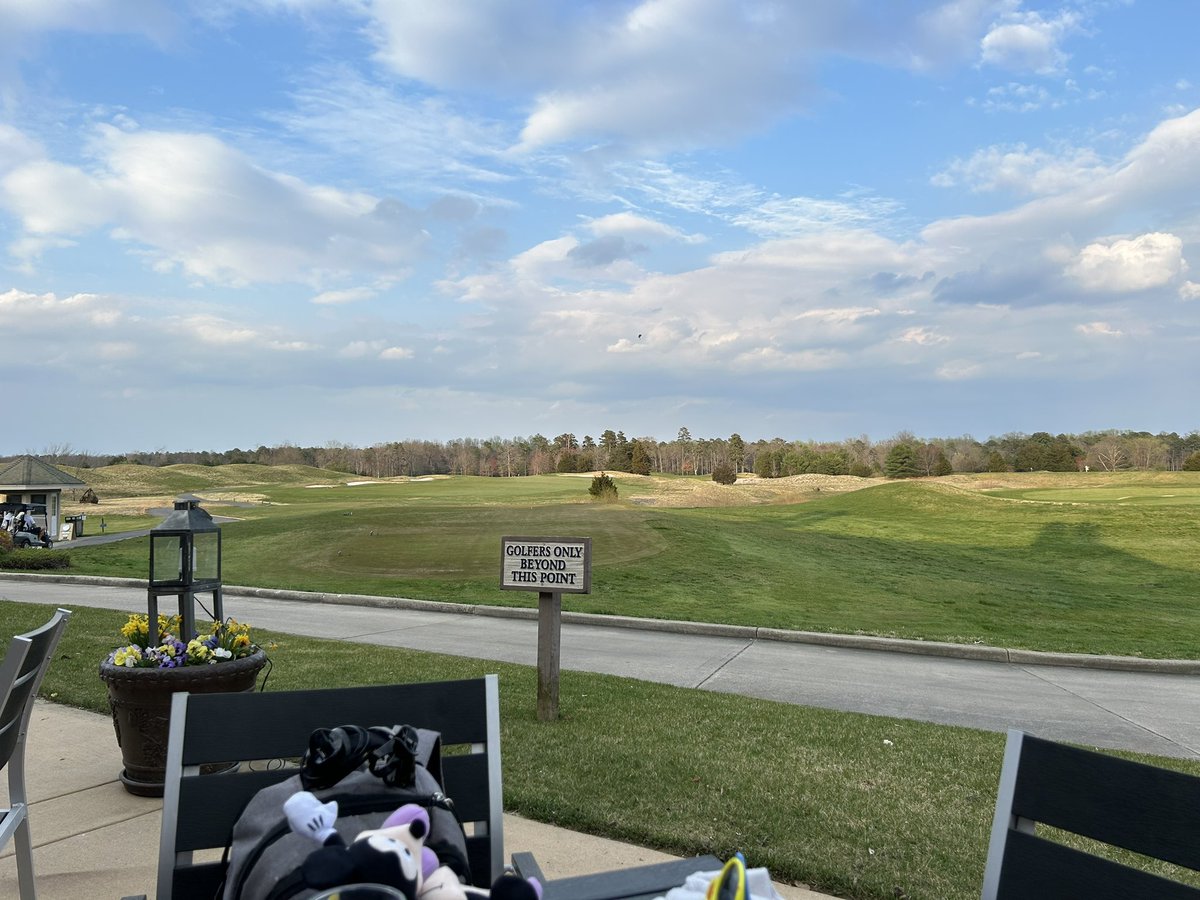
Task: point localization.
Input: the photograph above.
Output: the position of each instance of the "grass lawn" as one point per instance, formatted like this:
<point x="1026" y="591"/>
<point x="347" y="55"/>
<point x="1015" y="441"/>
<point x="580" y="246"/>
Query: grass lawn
<point x="1096" y="564"/>
<point x="858" y="806"/>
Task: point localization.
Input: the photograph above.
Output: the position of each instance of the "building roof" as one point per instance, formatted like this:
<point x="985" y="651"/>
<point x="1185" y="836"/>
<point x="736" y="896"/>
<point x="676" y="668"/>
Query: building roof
<point x="31" y="472"/>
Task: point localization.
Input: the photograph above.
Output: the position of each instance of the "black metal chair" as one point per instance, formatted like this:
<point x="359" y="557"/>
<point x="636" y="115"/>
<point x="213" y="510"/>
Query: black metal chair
<point x="199" y="810"/>
<point x="21" y="674"/>
<point x="1144" y="809"/>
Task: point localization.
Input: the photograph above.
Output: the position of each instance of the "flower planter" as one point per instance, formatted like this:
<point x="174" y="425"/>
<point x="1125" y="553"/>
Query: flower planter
<point x="140" y="700"/>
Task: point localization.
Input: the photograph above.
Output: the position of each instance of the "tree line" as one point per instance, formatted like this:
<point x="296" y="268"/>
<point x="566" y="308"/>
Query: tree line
<point x="901" y="456"/>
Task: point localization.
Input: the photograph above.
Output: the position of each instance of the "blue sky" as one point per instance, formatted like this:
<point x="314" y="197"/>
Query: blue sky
<point x="242" y="222"/>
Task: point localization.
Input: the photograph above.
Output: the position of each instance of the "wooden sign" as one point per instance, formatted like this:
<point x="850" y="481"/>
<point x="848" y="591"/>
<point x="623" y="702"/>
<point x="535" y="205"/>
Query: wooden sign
<point x="558" y="565"/>
<point x="552" y="567"/>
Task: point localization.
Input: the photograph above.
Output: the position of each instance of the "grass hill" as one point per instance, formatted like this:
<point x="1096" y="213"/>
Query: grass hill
<point x="1110" y="565"/>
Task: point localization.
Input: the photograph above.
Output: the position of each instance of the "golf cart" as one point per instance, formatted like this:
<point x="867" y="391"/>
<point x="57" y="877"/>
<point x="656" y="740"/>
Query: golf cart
<point x="26" y="537"/>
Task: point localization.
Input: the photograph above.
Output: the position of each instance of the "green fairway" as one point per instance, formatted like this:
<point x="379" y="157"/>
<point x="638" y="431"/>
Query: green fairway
<point x="1110" y="565"/>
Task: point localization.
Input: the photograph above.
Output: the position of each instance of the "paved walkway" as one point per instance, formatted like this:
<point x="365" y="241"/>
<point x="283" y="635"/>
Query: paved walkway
<point x="1149" y="711"/>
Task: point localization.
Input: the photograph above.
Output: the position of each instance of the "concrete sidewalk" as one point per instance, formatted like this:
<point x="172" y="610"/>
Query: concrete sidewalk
<point x="92" y="839"/>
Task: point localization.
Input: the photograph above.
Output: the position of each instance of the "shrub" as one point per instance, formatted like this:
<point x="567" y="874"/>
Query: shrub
<point x="603" y="488"/>
<point x="6" y="543"/>
<point x="1192" y="463"/>
<point x="860" y="470"/>
<point x="31" y="560"/>
<point x="723" y="474"/>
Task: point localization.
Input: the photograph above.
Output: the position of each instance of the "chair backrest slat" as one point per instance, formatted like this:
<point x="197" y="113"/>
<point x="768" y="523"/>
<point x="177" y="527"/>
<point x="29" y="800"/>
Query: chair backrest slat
<point x="1144" y="809"/>
<point x="199" y="810"/>
<point x="1034" y="867"/>
<point x="30" y="655"/>
<point x="12" y="699"/>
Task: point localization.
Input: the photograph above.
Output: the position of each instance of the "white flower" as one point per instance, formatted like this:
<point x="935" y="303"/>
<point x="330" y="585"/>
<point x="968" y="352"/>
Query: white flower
<point x="222" y="652"/>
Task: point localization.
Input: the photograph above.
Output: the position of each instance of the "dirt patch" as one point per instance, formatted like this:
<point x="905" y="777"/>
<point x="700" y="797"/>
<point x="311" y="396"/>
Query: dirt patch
<point x="141" y="506"/>
<point x="748" y="490"/>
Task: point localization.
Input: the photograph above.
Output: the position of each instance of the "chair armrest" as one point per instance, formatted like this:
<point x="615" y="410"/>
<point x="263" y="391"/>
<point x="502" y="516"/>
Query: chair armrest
<point x="653" y="880"/>
<point x="527" y="867"/>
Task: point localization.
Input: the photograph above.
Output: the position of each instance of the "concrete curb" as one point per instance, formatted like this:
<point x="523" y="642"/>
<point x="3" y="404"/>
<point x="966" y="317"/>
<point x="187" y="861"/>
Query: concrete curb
<point x="744" y="632"/>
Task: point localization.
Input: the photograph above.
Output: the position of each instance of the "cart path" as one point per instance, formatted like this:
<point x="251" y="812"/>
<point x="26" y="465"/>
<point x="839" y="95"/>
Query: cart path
<point x="1143" y="711"/>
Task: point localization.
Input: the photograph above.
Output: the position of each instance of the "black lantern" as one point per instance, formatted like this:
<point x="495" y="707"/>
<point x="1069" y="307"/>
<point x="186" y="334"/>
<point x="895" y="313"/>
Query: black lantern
<point x="185" y="559"/>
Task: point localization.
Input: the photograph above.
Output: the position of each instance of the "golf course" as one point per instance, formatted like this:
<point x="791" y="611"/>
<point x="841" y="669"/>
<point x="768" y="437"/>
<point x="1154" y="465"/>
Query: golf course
<point x="1083" y="562"/>
<point x="859" y="806"/>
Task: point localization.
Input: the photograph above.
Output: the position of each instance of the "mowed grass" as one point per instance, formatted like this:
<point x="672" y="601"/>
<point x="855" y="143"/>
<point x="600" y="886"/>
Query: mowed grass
<point x="855" y="805"/>
<point x="1107" y="566"/>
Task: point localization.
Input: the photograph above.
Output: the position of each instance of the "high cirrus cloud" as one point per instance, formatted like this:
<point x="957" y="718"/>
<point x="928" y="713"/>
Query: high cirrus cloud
<point x="1136" y="264"/>
<point x="196" y="204"/>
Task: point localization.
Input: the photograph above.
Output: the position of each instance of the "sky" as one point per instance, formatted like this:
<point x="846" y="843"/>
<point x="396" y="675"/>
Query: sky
<point x="229" y="223"/>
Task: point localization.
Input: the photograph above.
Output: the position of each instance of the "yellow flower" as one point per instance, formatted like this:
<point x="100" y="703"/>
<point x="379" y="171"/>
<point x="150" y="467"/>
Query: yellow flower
<point x="127" y="656"/>
<point x="198" y="651"/>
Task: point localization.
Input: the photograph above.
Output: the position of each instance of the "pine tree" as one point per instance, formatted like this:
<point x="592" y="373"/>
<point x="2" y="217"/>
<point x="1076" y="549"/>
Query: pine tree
<point x="639" y="459"/>
<point x="901" y="462"/>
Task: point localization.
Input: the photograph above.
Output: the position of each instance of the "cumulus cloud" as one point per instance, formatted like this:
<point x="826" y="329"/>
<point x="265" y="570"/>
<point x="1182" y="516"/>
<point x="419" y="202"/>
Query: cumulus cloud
<point x="1027" y="42"/>
<point x="1147" y="261"/>
<point x="16" y="148"/>
<point x="1189" y="290"/>
<point x="197" y="204"/>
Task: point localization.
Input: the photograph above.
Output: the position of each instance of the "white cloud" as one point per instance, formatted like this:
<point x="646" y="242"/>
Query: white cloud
<point x="1016" y="97"/>
<point x="1098" y="329"/>
<point x="1147" y="261"/>
<point x="16" y="148"/>
<point x="1189" y="290"/>
<point x="348" y="295"/>
<point x="417" y="137"/>
<point x="921" y="335"/>
<point x="783" y="217"/>
<point x="201" y="206"/>
<point x="1023" y="170"/>
<point x="25" y="21"/>
<point x="213" y="330"/>
<point x="396" y="353"/>
<point x="629" y="224"/>
<point x="950" y="32"/>
<point x="1160" y="173"/>
<point x="656" y="74"/>
<point x="1029" y="43"/>
<point x="959" y="370"/>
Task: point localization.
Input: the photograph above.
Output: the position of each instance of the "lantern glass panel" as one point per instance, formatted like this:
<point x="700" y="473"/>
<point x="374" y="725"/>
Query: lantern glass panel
<point x="167" y="556"/>
<point x="206" y="556"/>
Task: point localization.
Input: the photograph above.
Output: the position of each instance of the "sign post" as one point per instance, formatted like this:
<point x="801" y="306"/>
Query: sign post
<point x="552" y="567"/>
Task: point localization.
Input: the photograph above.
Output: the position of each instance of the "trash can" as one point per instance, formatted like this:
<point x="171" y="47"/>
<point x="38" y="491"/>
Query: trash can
<point x="76" y="523"/>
